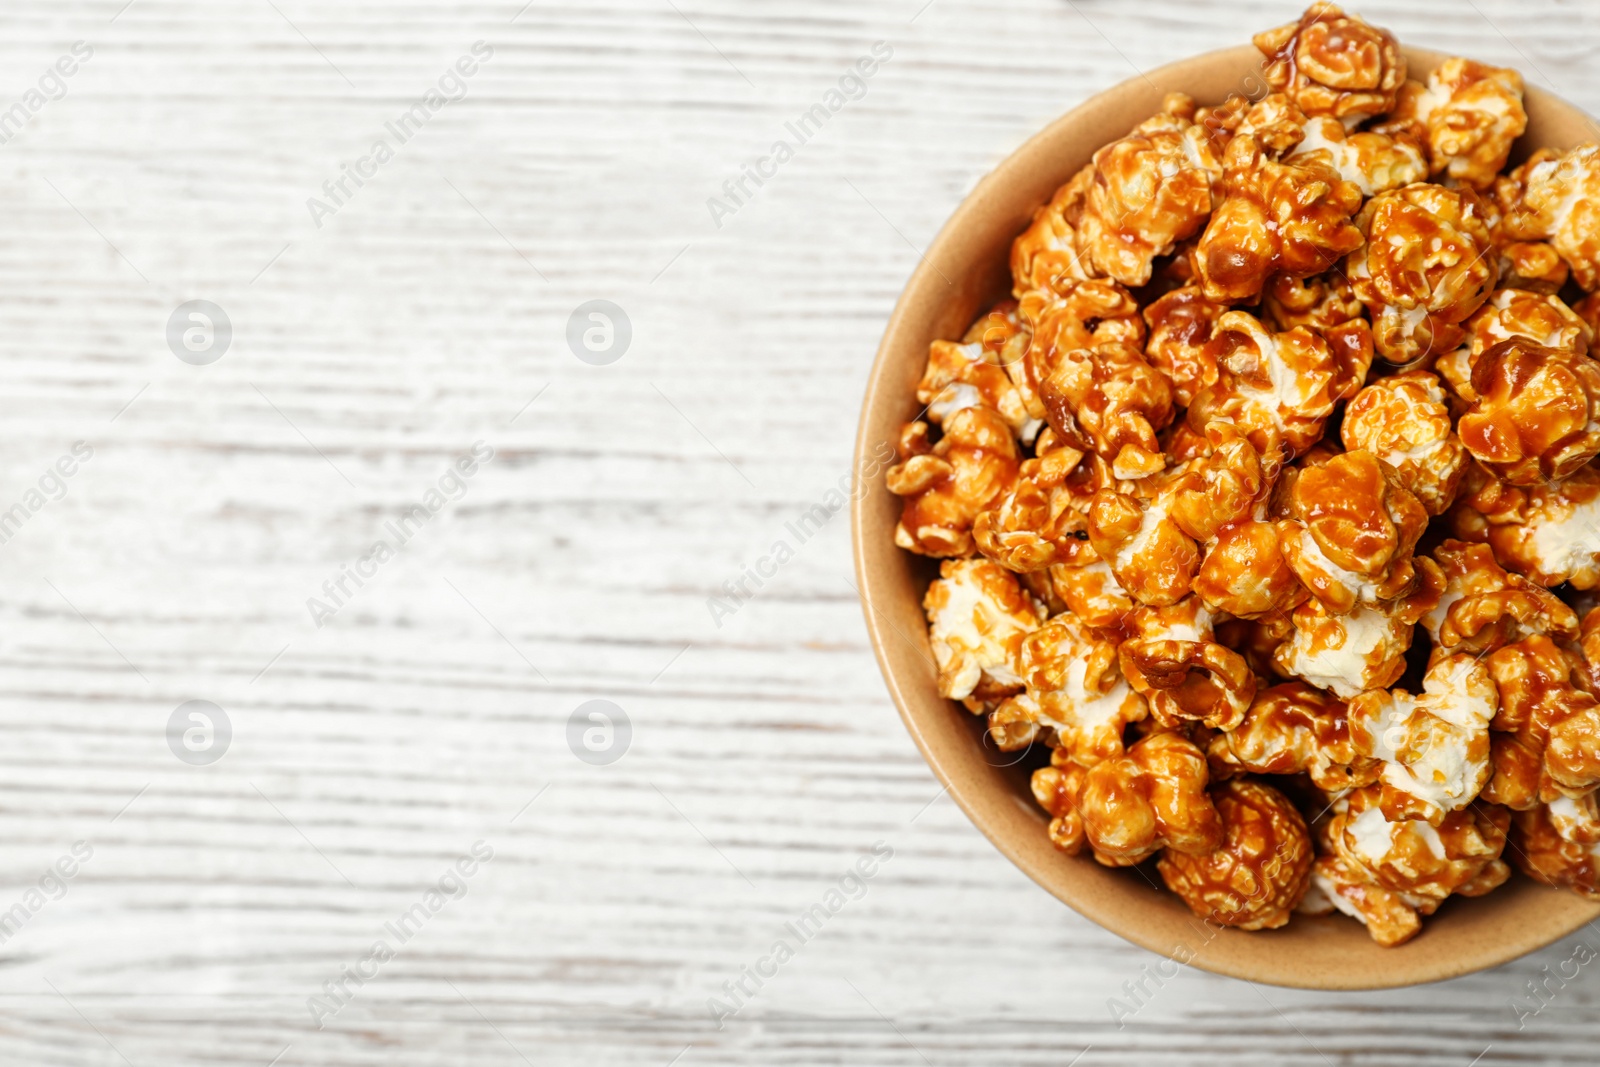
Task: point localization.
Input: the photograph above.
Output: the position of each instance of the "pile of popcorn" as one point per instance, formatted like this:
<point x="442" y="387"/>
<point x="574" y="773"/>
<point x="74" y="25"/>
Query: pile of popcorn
<point x="1270" y="504"/>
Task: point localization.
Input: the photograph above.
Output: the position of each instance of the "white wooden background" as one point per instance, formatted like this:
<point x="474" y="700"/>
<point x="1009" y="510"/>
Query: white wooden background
<point x="368" y="754"/>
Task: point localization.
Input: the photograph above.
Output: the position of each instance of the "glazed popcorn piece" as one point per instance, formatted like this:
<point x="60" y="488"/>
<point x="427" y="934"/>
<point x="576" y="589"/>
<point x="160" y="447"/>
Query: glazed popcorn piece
<point x="1434" y="747"/>
<point x="1543" y="853"/>
<point x="1547" y="743"/>
<point x="1089" y="589"/>
<point x="1533" y="266"/>
<point x="1484" y="608"/>
<point x="1349" y="653"/>
<point x="1045" y="256"/>
<point x="1116" y="401"/>
<point x="1373" y="161"/>
<point x="1088" y="315"/>
<point x="1039" y="521"/>
<point x="977" y="618"/>
<point x="1326" y="305"/>
<point x="1549" y="533"/>
<point x="1537" y="412"/>
<point x="1389" y="918"/>
<point x="1056" y="788"/>
<point x="1174" y="660"/>
<point x="1292" y="217"/>
<point x="1542" y="318"/>
<point x="1350" y="529"/>
<point x="1331" y="63"/>
<point x="1244" y="573"/>
<point x="976" y="373"/>
<point x="946" y="485"/>
<point x="1181" y="326"/>
<point x="1467" y="115"/>
<point x="1277" y="388"/>
<point x="1076" y="689"/>
<point x="1151" y="189"/>
<point x="1152" y="798"/>
<point x="1290" y="728"/>
<point x="1421" y="864"/>
<point x="1260" y="871"/>
<point x="1576" y="819"/>
<point x="1423" y="270"/>
<point x="1560" y="203"/>
<point x="1152" y="557"/>
<point x="1404" y="421"/>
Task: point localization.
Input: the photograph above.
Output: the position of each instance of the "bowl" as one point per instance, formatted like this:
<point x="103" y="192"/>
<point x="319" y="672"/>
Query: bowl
<point x="964" y="272"/>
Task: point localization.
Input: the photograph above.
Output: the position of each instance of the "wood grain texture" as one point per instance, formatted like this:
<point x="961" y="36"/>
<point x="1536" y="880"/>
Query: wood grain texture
<point x="371" y="352"/>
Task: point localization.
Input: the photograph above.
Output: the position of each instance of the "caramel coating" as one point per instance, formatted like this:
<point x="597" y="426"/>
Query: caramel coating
<point x="1116" y="401"/>
<point x="1150" y="799"/>
<point x="1404" y="421"/>
<point x="1350" y="529"/>
<point x="1420" y="863"/>
<point x="1423" y="270"/>
<point x="1542" y="853"/>
<point x="946" y="485"/>
<point x="1547" y="743"/>
<point x="1549" y="533"/>
<point x="1076" y="690"/>
<point x="1045" y="256"/>
<point x="1434" y="747"/>
<point x="1244" y="573"/>
<point x="1056" y="789"/>
<point x="977" y="618"/>
<point x="1260" y="871"/>
<point x="1348" y="653"/>
<point x="1559" y="203"/>
<point x="1467" y="115"/>
<point x="978" y="372"/>
<point x="1173" y="658"/>
<point x="1537" y="413"/>
<point x="1089" y="589"/>
<point x="1290" y="728"/>
<point x="1182" y="323"/>
<point x="1484" y="608"/>
<point x="1152" y="557"/>
<point x="1278" y="388"/>
<point x="1151" y="189"/>
<point x="1331" y="63"/>
<point x="1039" y="522"/>
<point x="1292" y="217"/>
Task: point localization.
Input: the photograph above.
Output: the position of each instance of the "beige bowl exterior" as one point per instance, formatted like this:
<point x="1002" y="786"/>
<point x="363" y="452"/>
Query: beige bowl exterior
<point x="972" y="251"/>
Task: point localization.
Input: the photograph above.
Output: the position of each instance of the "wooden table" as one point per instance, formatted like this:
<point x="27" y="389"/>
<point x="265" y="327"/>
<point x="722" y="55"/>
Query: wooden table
<point x="423" y="704"/>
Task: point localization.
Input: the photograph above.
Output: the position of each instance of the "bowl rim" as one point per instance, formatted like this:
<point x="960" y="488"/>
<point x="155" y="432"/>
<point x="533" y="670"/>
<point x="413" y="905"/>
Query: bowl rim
<point x="1402" y="966"/>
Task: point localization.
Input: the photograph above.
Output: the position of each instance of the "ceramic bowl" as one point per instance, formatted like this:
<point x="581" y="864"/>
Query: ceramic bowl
<point x="963" y="273"/>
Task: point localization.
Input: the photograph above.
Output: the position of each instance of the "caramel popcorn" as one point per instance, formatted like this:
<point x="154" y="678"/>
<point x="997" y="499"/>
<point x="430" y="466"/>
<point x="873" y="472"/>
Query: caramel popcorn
<point x="1547" y="743"/>
<point x="1434" y="747"/>
<point x="947" y="484"/>
<point x="1331" y="63"/>
<point x="1293" y="217"/>
<point x="1115" y="400"/>
<point x="977" y="618"/>
<point x="1076" y="689"/>
<point x="1184" y="484"/>
<point x="1549" y="533"/>
<point x="1039" y="522"/>
<point x="1537" y="412"/>
<point x="1056" y="788"/>
<point x="1181" y="326"/>
<point x="1484" y="608"/>
<point x="1292" y="728"/>
<point x="976" y="373"/>
<point x="1152" y="798"/>
<point x="1404" y="421"/>
<point x="1560" y="203"/>
<point x="1413" y="865"/>
<point x="1468" y="114"/>
<point x="1350" y="529"/>
<point x="1276" y="387"/>
<point x="1259" y="872"/>
<point x="1174" y="660"/>
<point x="1151" y="189"/>
<point x="1045" y="256"/>
<point x="1546" y="855"/>
<point x="1424" y="268"/>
